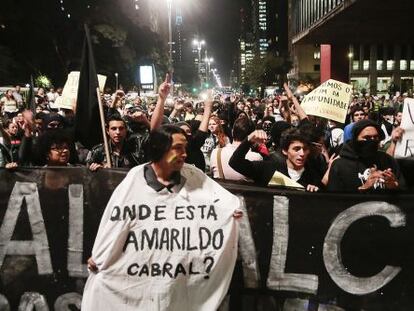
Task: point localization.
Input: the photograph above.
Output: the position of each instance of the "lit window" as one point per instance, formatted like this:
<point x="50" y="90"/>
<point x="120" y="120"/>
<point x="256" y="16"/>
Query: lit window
<point x="355" y="65"/>
<point x="412" y="64"/>
<point x="380" y="65"/>
<point x="403" y="64"/>
<point x="390" y="64"/>
<point x="365" y="65"/>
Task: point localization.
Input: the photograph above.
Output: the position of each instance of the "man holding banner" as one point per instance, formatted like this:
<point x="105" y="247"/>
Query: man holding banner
<point x="168" y="237"/>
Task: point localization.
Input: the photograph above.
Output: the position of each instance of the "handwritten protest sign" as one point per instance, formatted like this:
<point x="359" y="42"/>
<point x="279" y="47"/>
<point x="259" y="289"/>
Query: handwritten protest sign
<point x="405" y="147"/>
<point x="330" y="100"/>
<point x="164" y="250"/>
<point x="70" y="90"/>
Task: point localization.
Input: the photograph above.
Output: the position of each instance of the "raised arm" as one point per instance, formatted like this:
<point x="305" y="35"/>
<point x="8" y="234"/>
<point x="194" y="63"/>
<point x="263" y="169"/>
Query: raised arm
<point x="163" y="91"/>
<point x="208" y="104"/>
<point x="299" y="110"/>
<point x="396" y="136"/>
<point x="258" y="171"/>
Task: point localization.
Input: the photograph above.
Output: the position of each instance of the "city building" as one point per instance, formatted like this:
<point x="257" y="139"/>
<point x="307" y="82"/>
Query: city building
<point x="184" y="72"/>
<point x="260" y="22"/>
<point x="365" y="42"/>
<point x="262" y="31"/>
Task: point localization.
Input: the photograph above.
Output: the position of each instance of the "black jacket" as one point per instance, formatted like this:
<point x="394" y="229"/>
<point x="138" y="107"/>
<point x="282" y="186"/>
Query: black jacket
<point x="132" y="154"/>
<point x="261" y="172"/>
<point x="349" y="171"/>
<point x="194" y="154"/>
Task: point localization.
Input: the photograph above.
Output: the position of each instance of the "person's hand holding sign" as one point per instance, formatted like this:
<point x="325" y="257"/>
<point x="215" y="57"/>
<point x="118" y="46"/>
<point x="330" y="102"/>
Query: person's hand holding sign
<point x="92" y="265"/>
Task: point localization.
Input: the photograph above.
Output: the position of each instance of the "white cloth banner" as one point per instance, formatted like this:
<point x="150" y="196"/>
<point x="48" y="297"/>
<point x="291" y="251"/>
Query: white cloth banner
<point x="405" y="147"/>
<point x="330" y="100"/>
<point x="163" y="250"/>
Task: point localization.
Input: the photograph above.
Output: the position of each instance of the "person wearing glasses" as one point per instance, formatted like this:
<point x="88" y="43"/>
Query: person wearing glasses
<point x="54" y="148"/>
<point x="361" y="166"/>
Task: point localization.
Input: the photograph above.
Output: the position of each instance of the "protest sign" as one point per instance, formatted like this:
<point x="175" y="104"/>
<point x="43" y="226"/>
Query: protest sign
<point x="70" y="90"/>
<point x="330" y="100"/>
<point x="405" y="147"/>
<point x="9" y="105"/>
<point x="158" y="247"/>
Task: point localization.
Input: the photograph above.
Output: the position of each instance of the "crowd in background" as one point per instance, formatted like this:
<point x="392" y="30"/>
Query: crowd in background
<point x="264" y="141"/>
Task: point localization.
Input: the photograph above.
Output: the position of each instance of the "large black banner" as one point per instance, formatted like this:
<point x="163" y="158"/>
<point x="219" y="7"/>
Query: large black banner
<point x="297" y="250"/>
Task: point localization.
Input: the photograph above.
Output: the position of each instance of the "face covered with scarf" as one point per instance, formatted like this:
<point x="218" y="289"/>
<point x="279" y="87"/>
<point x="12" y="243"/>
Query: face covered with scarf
<point x="367" y="143"/>
<point x="366" y="138"/>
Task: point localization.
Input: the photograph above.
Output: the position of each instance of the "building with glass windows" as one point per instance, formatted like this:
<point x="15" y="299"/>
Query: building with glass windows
<point x="367" y="42"/>
<point x="262" y="32"/>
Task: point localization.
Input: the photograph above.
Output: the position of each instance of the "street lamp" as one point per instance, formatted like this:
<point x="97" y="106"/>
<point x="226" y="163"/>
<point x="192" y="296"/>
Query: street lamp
<point x="199" y="44"/>
<point x="208" y="61"/>
<point x="116" y="81"/>
<point x="170" y="43"/>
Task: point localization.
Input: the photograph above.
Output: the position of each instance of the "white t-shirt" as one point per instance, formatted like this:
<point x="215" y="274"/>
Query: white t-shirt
<point x="226" y="153"/>
<point x="294" y="174"/>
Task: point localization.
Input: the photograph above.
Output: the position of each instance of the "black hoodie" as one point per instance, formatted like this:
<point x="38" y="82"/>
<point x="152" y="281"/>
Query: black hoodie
<point x="350" y="171"/>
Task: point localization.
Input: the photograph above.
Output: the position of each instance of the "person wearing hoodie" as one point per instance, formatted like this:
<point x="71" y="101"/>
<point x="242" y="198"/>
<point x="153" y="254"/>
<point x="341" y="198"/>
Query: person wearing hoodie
<point x="361" y="166"/>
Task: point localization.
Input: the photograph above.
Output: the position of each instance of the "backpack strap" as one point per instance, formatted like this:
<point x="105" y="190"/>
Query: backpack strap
<point x="219" y="164"/>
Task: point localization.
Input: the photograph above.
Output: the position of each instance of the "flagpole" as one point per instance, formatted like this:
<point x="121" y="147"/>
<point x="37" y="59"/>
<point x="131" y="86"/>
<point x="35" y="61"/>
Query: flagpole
<point x="105" y="139"/>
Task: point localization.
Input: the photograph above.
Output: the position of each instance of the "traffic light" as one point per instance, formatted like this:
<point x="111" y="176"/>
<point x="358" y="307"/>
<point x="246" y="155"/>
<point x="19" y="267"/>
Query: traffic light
<point x="206" y="85"/>
<point x="194" y="89"/>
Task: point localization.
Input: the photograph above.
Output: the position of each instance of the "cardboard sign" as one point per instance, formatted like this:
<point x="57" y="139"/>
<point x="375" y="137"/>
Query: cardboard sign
<point x="405" y="147"/>
<point x="158" y="247"/>
<point x="330" y="100"/>
<point x="70" y="90"/>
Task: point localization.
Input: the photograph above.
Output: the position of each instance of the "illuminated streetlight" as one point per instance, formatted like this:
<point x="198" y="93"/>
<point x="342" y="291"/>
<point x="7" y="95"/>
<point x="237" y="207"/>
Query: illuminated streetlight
<point x="199" y="44"/>
<point x="116" y="80"/>
<point x="170" y="43"/>
<point x="208" y="61"/>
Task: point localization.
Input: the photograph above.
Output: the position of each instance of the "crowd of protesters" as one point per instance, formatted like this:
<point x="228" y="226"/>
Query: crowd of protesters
<point x="230" y="137"/>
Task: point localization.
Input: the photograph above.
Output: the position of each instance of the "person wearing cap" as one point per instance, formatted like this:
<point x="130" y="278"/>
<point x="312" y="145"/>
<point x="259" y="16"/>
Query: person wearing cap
<point x="361" y="166"/>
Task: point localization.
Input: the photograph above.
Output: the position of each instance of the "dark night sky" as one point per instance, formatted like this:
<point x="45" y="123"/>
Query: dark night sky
<point x="218" y="22"/>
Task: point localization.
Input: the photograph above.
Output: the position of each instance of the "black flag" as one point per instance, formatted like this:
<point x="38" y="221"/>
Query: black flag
<point x="31" y="102"/>
<point x="88" y="129"/>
